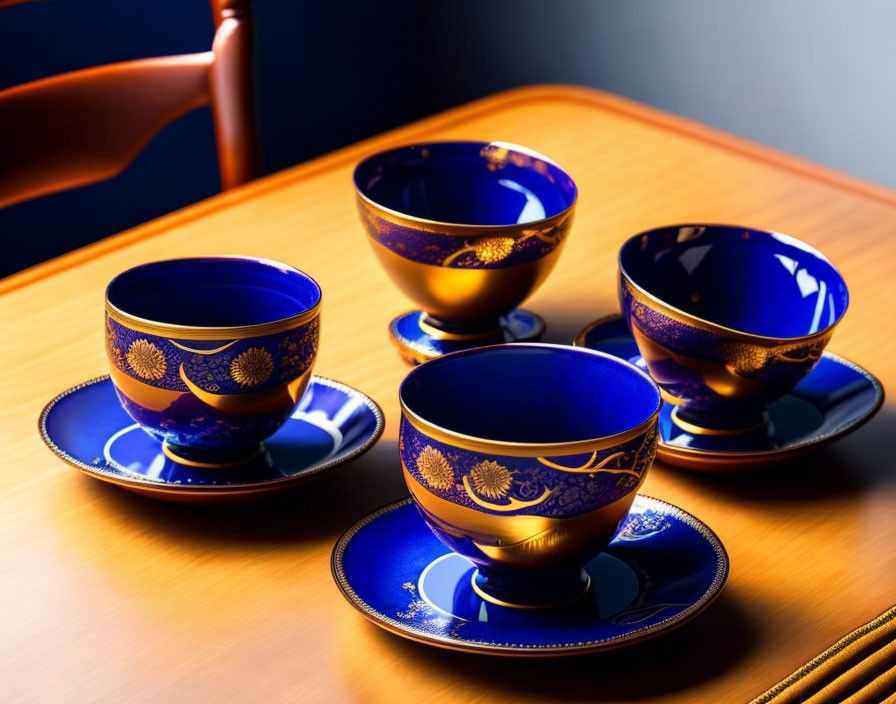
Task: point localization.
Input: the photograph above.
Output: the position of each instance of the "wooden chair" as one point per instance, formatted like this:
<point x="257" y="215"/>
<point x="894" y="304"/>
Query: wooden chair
<point x="86" y="126"/>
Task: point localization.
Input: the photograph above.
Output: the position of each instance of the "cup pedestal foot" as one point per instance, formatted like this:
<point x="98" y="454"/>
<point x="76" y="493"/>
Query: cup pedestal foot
<point x="745" y="424"/>
<point x="212" y="459"/>
<point x="548" y="590"/>
<point x="419" y="338"/>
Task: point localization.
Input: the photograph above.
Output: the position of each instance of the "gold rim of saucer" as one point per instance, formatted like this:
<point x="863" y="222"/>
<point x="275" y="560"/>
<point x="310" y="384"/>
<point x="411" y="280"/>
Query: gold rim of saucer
<point x="714" y="461"/>
<point x="188" y="493"/>
<point x="198" y="332"/>
<point x="717" y="461"/>
<point x="723" y="567"/>
<point x="531" y="449"/>
<point x="643" y="296"/>
<point x="466" y="229"/>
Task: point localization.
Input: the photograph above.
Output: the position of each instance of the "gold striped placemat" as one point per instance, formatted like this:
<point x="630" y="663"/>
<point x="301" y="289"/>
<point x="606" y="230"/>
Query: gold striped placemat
<point x="858" y="669"/>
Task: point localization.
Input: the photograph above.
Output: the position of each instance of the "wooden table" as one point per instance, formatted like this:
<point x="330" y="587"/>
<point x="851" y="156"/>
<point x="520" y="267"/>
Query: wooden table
<point x="109" y="596"/>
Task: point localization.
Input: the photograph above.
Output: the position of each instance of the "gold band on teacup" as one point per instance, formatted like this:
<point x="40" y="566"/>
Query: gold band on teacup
<point x="527" y="541"/>
<point x="524" y="449"/>
<point x="514" y="230"/>
<point x="495" y="155"/>
<point x="654" y="303"/>
<point x="193" y="332"/>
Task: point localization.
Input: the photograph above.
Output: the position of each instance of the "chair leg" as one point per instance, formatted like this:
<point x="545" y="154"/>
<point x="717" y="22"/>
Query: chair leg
<point x="231" y="84"/>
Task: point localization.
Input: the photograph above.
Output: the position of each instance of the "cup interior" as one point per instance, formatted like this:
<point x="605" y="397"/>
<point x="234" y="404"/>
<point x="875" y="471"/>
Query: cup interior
<point x="472" y="183"/>
<point x="752" y="281"/>
<point x="530" y="393"/>
<point x="213" y="292"/>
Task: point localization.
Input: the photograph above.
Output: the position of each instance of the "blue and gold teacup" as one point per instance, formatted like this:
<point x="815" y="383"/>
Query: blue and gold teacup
<point x="210" y="355"/>
<point x="728" y="319"/>
<point x="467" y="230"/>
<point x="524" y="458"/>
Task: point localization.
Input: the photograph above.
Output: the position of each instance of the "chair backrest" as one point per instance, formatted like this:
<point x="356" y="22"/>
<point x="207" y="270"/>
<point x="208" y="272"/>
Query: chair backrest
<point x="86" y="126"/>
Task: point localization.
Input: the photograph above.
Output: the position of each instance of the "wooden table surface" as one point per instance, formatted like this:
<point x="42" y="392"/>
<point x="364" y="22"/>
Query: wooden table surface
<point x="106" y="596"/>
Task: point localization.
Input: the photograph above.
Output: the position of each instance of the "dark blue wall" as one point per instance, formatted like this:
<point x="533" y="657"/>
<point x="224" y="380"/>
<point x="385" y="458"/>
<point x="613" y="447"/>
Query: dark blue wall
<point x="43" y="38"/>
<point x="328" y="74"/>
<point x="808" y="76"/>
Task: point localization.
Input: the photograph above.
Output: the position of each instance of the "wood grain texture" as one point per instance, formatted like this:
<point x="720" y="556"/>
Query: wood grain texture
<point x="109" y="596"/>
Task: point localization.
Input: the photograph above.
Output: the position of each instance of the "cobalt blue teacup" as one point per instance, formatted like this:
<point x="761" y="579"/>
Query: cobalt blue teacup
<point x="524" y="458"/>
<point x="728" y="319"/>
<point x="210" y="355"/>
<point x="467" y="230"/>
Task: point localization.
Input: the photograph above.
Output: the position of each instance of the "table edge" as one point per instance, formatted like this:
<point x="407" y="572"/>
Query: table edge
<point x="541" y="92"/>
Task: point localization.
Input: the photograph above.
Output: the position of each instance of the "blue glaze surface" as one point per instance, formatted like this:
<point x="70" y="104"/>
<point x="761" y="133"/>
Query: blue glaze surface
<point x="188" y="421"/>
<point x="728" y="319"/>
<point x="414" y="198"/>
<point x="87" y="427"/>
<point x="524" y="486"/>
<point x="452" y="182"/>
<point x="662" y="567"/>
<point x="832" y="400"/>
<point x="485" y="447"/>
<point x="478" y="250"/>
<point x="186" y="366"/>
<point x="530" y="393"/>
<point x="213" y="291"/>
<point x="757" y="282"/>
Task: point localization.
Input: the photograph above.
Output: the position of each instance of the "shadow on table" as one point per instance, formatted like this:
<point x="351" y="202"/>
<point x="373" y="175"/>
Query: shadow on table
<point x="317" y="510"/>
<point x="698" y="651"/>
<point x="855" y="465"/>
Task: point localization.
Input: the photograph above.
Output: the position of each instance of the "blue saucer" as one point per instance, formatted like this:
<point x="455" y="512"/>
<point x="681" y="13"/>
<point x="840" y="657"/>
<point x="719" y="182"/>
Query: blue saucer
<point x="417" y="342"/>
<point x="834" y="399"/>
<point x="662" y="568"/>
<point x="87" y="427"/>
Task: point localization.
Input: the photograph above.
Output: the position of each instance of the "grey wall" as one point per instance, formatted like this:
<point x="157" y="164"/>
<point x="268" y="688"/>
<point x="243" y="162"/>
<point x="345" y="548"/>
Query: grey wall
<point x="812" y="77"/>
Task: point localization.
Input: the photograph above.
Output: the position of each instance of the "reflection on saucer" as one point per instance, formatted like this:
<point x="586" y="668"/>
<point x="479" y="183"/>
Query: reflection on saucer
<point x="662" y="568"/>
<point x="88" y="428"/>
<point x="834" y="399"/>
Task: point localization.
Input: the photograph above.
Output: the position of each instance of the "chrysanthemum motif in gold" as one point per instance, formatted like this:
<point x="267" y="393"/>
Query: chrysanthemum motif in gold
<point x="252" y="367"/>
<point x="491" y="250"/>
<point x="147" y="360"/>
<point x="435" y="469"/>
<point x="491" y="479"/>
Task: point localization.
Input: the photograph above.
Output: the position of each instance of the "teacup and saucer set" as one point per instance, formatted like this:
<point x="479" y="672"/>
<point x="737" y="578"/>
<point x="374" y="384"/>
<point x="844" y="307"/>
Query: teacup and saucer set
<point x="210" y="396"/>
<point x="732" y="324"/>
<point x="467" y="230"/>
<point x="525" y="533"/>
